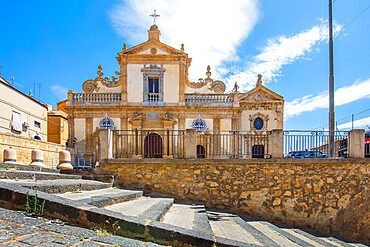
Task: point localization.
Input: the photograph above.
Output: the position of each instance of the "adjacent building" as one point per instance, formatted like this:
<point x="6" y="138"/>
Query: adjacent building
<point x="21" y="114"/>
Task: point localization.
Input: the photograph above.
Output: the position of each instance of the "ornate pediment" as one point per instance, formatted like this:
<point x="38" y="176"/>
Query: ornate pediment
<point x="260" y="93"/>
<point x="150" y="47"/>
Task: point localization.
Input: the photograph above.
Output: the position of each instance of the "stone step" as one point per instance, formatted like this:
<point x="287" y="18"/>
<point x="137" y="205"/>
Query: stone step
<point x="143" y="207"/>
<point x="189" y="216"/>
<point x="23" y="175"/>
<point x="227" y="226"/>
<point x="315" y="241"/>
<point x="59" y="186"/>
<point x="103" y="197"/>
<point x="20" y="167"/>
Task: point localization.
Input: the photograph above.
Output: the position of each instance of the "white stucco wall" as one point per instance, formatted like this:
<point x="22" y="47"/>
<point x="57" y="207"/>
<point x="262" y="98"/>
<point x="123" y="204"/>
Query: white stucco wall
<point x="134" y="83"/>
<point x="271" y="124"/>
<point x="225" y="124"/>
<point x="80" y="129"/>
<point x="171" y="84"/>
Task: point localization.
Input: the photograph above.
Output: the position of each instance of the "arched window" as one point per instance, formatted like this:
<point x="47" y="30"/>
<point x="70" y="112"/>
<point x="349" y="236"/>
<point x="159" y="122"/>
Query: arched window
<point x="106" y="122"/>
<point x="199" y="124"/>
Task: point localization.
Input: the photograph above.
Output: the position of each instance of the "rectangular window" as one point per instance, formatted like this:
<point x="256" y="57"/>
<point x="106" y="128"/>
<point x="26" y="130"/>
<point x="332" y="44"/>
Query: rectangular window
<point x="153" y="85"/>
<point x="37" y="124"/>
<point x="16" y="121"/>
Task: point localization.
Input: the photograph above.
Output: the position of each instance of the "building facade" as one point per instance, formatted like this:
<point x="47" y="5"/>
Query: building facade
<point x="21" y="114"/>
<point x="152" y="91"/>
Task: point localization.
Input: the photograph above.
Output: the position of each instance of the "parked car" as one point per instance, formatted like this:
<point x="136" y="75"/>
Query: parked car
<point x="306" y="154"/>
<point x="343" y="146"/>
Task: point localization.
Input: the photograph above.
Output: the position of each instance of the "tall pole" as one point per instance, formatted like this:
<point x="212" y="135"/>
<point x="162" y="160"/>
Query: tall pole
<point x="331" y="84"/>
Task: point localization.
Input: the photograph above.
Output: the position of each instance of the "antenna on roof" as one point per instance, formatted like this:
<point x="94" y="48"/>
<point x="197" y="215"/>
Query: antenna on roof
<point x="39" y="90"/>
<point x="1" y="69"/>
<point x="12" y="79"/>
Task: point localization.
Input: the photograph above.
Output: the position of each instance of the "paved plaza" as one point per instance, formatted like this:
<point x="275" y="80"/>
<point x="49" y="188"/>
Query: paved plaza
<point x="18" y="230"/>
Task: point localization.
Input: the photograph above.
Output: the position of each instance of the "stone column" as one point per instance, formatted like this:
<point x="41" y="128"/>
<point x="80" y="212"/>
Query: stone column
<point x="105" y="144"/>
<point x="276" y="143"/>
<point x="89" y="137"/>
<point x="191" y="144"/>
<point x="71" y="129"/>
<point x="181" y="123"/>
<point x="356" y="143"/>
<point x="182" y="78"/>
<point x="216" y="137"/>
<point x="123" y="79"/>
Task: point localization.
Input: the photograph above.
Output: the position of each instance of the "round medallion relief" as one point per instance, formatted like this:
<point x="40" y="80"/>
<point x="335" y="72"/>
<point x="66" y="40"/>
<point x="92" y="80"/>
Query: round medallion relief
<point x="258" y="123"/>
<point x="153" y="51"/>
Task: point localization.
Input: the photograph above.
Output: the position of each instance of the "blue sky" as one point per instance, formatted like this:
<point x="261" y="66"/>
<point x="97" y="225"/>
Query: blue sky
<point x="60" y="44"/>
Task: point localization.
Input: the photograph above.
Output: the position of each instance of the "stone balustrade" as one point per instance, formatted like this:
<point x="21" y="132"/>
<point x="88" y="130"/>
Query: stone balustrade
<point x="209" y="98"/>
<point x="96" y="97"/>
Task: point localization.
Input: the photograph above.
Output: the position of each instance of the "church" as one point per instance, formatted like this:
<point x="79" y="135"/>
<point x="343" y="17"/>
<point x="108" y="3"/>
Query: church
<point x="152" y="92"/>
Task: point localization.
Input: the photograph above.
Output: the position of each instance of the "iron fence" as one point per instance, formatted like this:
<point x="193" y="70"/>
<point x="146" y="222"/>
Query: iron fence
<point x="148" y="143"/>
<point x="367" y="144"/>
<point x="314" y="144"/>
<point x="233" y="144"/>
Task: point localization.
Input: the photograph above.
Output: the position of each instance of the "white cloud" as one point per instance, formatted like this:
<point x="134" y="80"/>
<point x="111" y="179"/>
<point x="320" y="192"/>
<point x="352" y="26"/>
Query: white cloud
<point x="360" y="123"/>
<point x="342" y="96"/>
<point x="59" y="91"/>
<point x="210" y="29"/>
<point x="278" y="52"/>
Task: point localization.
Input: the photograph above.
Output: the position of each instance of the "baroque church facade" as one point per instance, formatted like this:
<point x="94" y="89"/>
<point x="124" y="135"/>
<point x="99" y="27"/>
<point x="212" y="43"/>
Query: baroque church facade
<point x="152" y="91"/>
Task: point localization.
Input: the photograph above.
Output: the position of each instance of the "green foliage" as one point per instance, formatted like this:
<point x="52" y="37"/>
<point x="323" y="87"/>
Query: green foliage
<point x="7" y="169"/>
<point x="107" y="228"/>
<point x="34" y="207"/>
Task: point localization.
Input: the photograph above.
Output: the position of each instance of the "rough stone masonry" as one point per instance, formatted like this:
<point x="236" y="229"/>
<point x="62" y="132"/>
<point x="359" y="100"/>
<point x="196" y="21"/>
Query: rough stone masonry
<point x="327" y="195"/>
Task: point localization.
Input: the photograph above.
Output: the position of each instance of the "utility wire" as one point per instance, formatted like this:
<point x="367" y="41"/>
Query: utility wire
<point x="356" y="17"/>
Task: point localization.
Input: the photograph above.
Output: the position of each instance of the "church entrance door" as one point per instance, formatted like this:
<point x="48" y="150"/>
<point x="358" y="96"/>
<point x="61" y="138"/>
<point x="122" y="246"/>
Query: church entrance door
<point x="201" y="152"/>
<point x="153" y="146"/>
<point x="258" y="151"/>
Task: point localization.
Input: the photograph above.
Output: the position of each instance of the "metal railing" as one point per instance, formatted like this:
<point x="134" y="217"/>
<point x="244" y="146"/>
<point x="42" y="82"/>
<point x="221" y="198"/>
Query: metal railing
<point x="96" y="97"/>
<point x="367" y="145"/>
<point x="314" y="144"/>
<point x="209" y="98"/>
<point x="233" y="144"/>
<point x="148" y="143"/>
<point x="82" y="163"/>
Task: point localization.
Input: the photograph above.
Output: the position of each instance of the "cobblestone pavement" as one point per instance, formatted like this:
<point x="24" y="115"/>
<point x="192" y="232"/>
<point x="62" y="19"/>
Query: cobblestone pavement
<point x="19" y="230"/>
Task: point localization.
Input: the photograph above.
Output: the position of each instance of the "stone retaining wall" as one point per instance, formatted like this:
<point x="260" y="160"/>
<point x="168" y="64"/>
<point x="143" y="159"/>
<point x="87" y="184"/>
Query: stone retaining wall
<point x="23" y="146"/>
<point x="327" y="195"/>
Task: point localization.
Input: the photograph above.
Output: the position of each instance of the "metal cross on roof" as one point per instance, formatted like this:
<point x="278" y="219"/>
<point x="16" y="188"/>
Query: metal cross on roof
<point x="154" y="15"/>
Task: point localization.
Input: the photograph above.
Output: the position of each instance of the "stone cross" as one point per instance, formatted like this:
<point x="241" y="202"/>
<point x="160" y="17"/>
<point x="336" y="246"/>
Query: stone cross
<point x="154" y="15"/>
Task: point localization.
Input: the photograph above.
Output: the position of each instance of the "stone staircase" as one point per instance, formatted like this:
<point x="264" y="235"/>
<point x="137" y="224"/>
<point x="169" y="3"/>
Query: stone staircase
<point x="134" y="215"/>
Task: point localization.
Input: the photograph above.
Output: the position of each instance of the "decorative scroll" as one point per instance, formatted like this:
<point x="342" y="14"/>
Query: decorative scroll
<point x="90" y="86"/>
<point x="201" y="82"/>
<point x="217" y="87"/>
